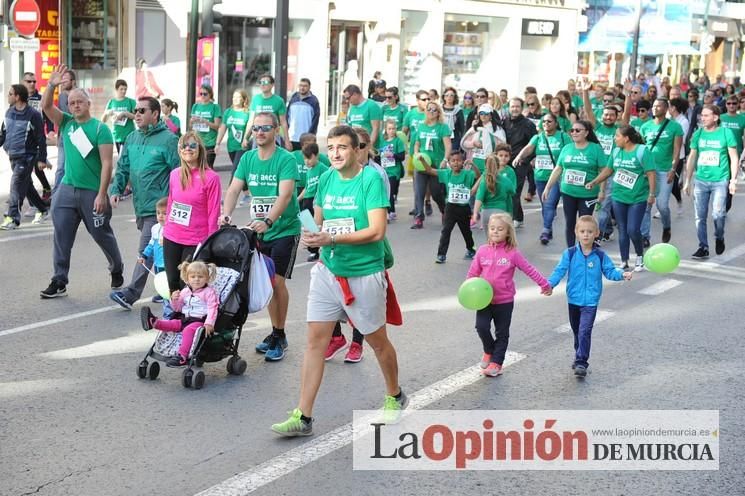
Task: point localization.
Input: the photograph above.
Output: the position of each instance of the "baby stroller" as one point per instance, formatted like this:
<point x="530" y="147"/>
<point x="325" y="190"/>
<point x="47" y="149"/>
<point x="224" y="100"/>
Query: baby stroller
<point x="231" y="250"/>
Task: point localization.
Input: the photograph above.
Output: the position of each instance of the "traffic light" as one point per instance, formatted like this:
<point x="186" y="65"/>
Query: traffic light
<point x="211" y="19"/>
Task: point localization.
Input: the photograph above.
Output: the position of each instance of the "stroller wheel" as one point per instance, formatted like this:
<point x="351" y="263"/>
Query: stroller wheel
<point x="198" y="380"/>
<point x="239" y="366"/>
<point x="230" y="365"/>
<point x="142" y="369"/>
<point x="153" y="371"/>
<point x="186" y="378"/>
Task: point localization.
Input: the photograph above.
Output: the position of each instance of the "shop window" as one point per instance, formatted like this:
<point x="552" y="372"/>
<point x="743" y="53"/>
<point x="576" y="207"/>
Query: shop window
<point x="93" y="34"/>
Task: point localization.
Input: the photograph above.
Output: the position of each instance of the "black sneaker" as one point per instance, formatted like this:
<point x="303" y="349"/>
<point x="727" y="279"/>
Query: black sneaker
<point x="176" y="361"/>
<point x="580" y="371"/>
<point x="719" y="248"/>
<point x="701" y="253"/>
<point x="117" y="280"/>
<point x="55" y="290"/>
<point x="313" y="257"/>
<point x="428" y="208"/>
<point x="440" y="259"/>
<point x="147" y="319"/>
<point x="666" y="235"/>
<point x="118" y="297"/>
<point x="626" y="267"/>
<point x="646" y="243"/>
<point x="469" y="255"/>
<point x="412" y="211"/>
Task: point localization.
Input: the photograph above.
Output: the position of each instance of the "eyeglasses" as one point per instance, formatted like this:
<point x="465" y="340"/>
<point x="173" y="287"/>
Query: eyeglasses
<point x="363" y="146"/>
<point x="189" y="146"/>
<point x="263" y="128"/>
<point x="449" y="94"/>
<point x="203" y="93"/>
<point x="577" y="130"/>
<point x="29" y="81"/>
<point x="265" y="81"/>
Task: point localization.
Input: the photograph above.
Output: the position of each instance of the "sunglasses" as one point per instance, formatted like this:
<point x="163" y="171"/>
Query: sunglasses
<point x="203" y="93"/>
<point x="532" y="104"/>
<point x="643" y="110"/>
<point x="141" y="110"/>
<point x="363" y="146"/>
<point x="607" y="102"/>
<point x="189" y="146"/>
<point x="549" y="121"/>
<point x="484" y="113"/>
<point x="263" y="128"/>
<point x="29" y="81"/>
<point x="731" y="103"/>
<point x="424" y="99"/>
<point x="482" y="96"/>
<point x="265" y="81"/>
<point x="576" y="130"/>
<point x="389" y="98"/>
<point x="432" y="110"/>
<point x="468" y="98"/>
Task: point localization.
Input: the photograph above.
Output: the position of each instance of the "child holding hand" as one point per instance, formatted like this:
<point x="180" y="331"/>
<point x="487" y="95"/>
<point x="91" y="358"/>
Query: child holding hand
<point x="586" y="264"/>
<point x="197" y="302"/>
<point x="496" y="262"/>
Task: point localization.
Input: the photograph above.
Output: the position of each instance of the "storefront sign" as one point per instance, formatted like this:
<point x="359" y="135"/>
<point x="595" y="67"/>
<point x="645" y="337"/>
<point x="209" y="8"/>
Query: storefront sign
<point x="48" y="56"/>
<point x="536" y="27"/>
<point x="24" y="44"/>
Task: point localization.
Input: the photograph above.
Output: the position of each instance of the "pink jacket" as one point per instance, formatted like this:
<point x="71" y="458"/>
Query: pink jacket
<point x="197" y="209"/>
<point x="497" y="265"/>
<point x="197" y="304"/>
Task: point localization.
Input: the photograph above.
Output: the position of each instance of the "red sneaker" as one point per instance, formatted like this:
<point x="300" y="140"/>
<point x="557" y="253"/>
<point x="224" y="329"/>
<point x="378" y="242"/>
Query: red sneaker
<point x="485" y="359"/>
<point x="337" y="344"/>
<point x="493" y="370"/>
<point x="354" y="354"/>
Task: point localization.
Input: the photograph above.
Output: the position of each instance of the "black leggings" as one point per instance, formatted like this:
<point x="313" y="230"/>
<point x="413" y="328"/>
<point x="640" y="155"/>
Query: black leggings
<point x="175" y="253"/>
<point x="357" y="336"/>
<point x="676" y="181"/>
<point x="574" y="207"/>
<point x="210" y="156"/>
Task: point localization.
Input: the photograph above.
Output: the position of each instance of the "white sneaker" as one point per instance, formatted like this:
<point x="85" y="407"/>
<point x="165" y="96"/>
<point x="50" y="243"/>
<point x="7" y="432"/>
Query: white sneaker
<point x="639" y="266"/>
<point x="518" y="224"/>
<point x="40" y="217"/>
<point x="656" y="215"/>
<point x="8" y="224"/>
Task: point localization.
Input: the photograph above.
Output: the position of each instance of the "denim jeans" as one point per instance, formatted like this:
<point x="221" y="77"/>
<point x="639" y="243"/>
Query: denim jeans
<point x="421" y="180"/>
<point x="582" y="320"/>
<point x="629" y="218"/>
<point x="548" y="208"/>
<point x="604" y="215"/>
<point x="663" y="193"/>
<point x="703" y="191"/>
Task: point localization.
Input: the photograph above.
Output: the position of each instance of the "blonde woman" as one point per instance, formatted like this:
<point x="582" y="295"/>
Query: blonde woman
<point x="193" y="206"/>
<point x="433" y="142"/>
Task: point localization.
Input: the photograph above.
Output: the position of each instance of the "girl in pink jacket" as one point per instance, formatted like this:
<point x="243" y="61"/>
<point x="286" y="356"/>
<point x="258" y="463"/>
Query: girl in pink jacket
<point x="496" y="262"/>
<point x="197" y="302"/>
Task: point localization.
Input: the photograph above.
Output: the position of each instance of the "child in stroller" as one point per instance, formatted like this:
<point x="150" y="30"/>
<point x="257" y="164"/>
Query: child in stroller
<point x="197" y="303"/>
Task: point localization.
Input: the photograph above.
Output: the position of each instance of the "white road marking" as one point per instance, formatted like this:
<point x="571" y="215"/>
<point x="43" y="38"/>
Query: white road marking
<point x="296" y="458"/>
<point x="600" y="316"/>
<point x="660" y="287"/>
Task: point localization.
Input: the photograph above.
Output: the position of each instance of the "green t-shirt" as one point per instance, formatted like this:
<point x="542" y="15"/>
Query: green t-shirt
<point x="83" y="170"/>
<point x="274" y="104"/>
<point x="712" y="160"/>
<point x="457" y="186"/>
<point x="122" y="127"/>
<point x="262" y="178"/>
<point x="737" y="124"/>
<point x="577" y="102"/>
<point x="209" y="112"/>
<point x="430" y="141"/>
<point x="302" y="169"/>
<point x="413" y="119"/>
<point x="235" y="121"/>
<point x="312" y="177"/>
<point x="606" y="135"/>
<point x="364" y="114"/>
<point x="579" y="167"/>
<point x="394" y="114"/>
<point x="387" y="149"/>
<point x="176" y="121"/>
<point x="637" y="123"/>
<point x="543" y="163"/>
<point x="663" y="149"/>
<point x="502" y="198"/>
<point x="564" y="124"/>
<point x="597" y="106"/>
<point x="631" y="184"/>
<point x="346" y="203"/>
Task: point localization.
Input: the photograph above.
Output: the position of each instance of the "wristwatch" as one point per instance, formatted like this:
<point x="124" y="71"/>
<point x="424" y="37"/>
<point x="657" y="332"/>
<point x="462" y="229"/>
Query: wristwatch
<point x="268" y="221"/>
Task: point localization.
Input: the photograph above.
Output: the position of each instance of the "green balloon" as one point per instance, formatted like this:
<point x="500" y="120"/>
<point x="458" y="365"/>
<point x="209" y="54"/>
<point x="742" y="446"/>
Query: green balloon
<point x="475" y="293"/>
<point x="419" y="160"/>
<point x="661" y="258"/>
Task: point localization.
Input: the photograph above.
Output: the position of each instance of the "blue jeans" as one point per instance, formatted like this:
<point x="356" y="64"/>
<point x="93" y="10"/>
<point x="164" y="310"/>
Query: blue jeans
<point x="629" y="218"/>
<point x="604" y="215"/>
<point x="582" y="319"/>
<point x="548" y="208"/>
<point x="663" y="193"/>
<point x="702" y="192"/>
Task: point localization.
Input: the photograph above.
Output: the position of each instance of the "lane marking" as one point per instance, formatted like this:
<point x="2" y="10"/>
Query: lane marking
<point x="300" y="456"/>
<point x="660" y="287"/>
<point x="600" y="316"/>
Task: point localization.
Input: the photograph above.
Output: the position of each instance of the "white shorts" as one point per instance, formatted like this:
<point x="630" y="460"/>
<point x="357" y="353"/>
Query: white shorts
<point x="326" y="301"/>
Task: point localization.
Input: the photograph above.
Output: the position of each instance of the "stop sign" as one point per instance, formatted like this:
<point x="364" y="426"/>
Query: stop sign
<point x="26" y="17"/>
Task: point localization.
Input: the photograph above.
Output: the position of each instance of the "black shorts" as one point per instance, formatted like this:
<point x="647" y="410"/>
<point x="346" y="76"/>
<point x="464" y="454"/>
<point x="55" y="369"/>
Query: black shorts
<point x="282" y="251"/>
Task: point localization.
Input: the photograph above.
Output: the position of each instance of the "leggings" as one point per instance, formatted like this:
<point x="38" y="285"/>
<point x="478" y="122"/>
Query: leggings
<point x="394" y="182"/>
<point x="357" y="336"/>
<point x="574" y="207"/>
<point x="501" y="315"/>
<point x="175" y="253"/>
<point x="210" y="156"/>
<point x="187" y="332"/>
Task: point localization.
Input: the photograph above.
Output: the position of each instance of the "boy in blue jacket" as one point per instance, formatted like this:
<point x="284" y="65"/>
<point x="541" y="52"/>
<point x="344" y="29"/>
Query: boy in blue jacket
<point x="586" y="265"/>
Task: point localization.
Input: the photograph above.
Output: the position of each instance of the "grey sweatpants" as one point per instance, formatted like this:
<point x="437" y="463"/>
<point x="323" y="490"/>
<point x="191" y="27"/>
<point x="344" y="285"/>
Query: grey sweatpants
<point x="70" y="206"/>
<point x="134" y="290"/>
<point x="60" y="172"/>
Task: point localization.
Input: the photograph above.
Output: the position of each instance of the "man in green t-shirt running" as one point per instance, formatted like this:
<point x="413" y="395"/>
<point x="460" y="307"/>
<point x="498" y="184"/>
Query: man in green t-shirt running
<point x="82" y="196"/>
<point x="363" y="112"/>
<point x="270" y="173"/>
<point x="267" y="101"/>
<point x="350" y="282"/>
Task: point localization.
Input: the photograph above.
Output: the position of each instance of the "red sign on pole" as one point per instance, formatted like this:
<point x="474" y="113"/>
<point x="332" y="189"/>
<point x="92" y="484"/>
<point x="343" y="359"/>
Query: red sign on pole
<point x="26" y="17"/>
